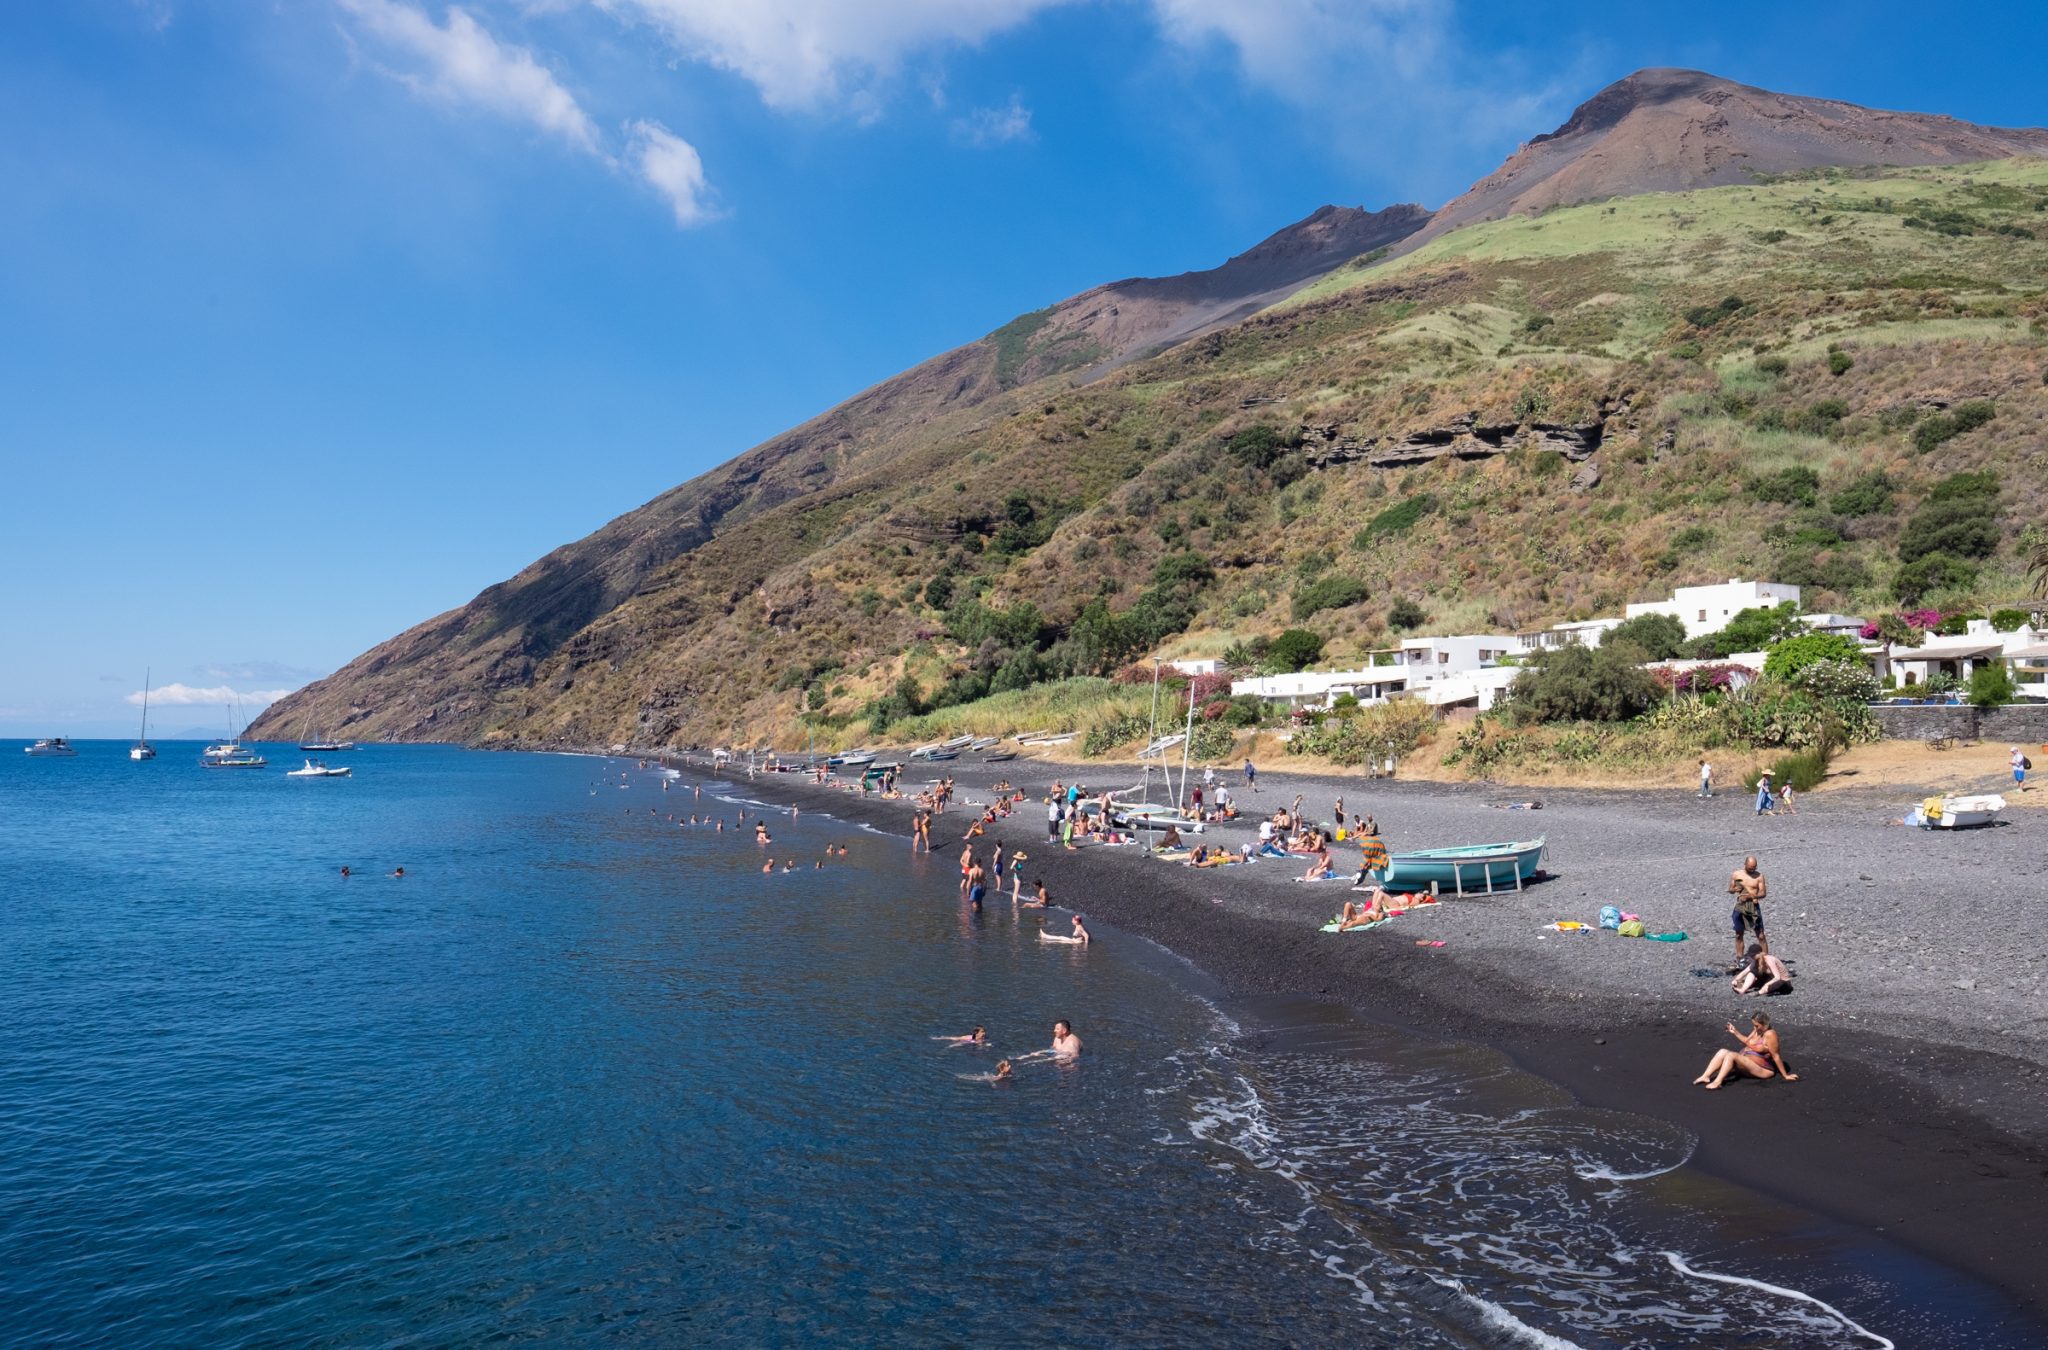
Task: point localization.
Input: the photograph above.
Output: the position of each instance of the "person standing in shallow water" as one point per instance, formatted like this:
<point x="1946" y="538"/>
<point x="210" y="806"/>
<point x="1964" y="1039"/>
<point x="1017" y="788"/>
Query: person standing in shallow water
<point x="1065" y="1044"/>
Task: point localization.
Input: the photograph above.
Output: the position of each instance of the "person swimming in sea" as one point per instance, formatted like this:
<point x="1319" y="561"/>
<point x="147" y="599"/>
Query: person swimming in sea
<point x="1065" y="1044"/>
<point x="1004" y="1072"/>
<point x="978" y="1036"/>
<point x="398" y="871"/>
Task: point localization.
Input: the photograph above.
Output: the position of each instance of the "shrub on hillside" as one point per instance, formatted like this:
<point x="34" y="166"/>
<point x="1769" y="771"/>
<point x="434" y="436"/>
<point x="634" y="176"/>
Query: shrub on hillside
<point x="1959" y="517"/>
<point x="1330" y="592"/>
<point x="1585" y="684"/>
<point x="1868" y="494"/>
<point x="1176" y="568"/>
<point x="1839" y="363"/>
<point x="1661" y="636"/>
<point x="1932" y="574"/>
<point x="1295" y="649"/>
<point x="1106" y="736"/>
<point x="1795" y="486"/>
<point x="1406" y="614"/>
<point x="1263" y="445"/>
<point x="1384" y="729"/>
<point x="1396" y="518"/>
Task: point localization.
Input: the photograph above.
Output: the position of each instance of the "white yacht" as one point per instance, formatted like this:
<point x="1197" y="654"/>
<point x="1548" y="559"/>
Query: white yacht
<point x="316" y="768"/>
<point x="50" y="747"/>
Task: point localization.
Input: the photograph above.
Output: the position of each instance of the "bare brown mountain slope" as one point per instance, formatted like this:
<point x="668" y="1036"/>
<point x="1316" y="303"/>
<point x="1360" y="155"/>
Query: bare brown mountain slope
<point x="1674" y="130"/>
<point x="901" y="469"/>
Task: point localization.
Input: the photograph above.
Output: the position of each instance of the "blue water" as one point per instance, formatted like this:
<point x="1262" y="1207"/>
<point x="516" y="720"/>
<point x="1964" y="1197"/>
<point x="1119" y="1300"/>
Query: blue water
<point x="584" y="1073"/>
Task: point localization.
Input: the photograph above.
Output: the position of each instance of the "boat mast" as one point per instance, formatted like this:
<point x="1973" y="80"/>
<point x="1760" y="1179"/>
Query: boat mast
<point x="142" y="737"/>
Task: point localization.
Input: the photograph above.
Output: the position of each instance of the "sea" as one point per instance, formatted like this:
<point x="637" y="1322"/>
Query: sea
<point x="586" y="1073"/>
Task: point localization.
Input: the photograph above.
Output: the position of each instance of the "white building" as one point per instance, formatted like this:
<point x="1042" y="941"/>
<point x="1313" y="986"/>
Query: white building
<point x="1585" y="633"/>
<point x="1479" y="688"/>
<point x="1207" y="665"/>
<point x="1707" y="609"/>
<point x="1435" y="658"/>
<point x="2022" y="651"/>
<point x="1319" y="688"/>
<point x="1847" y="625"/>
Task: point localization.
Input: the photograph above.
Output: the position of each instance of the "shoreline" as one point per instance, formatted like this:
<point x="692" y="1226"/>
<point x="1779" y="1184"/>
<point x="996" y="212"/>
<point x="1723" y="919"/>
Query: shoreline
<point x="1934" y="1148"/>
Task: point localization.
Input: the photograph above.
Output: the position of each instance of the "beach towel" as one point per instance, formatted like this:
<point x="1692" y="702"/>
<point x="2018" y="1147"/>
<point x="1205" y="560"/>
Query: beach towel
<point x="1373" y="855"/>
<point x="1665" y="937"/>
<point x="1331" y="926"/>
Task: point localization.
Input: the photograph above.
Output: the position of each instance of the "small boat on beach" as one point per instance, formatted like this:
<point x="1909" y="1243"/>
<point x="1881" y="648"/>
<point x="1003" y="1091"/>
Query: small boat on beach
<point x="1472" y="867"/>
<point x="318" y="769"/>
<point x="851" y="759"/>
<point x="1957" y="813"/>
<point x="1154" y="817"/>
<point x="50" y="747"/>
<point x="981" y="743"/>
<point x="999" y="757"/>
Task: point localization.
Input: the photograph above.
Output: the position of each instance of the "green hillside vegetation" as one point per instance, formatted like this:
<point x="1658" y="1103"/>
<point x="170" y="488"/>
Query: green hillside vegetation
<point x="1785" y="379"/>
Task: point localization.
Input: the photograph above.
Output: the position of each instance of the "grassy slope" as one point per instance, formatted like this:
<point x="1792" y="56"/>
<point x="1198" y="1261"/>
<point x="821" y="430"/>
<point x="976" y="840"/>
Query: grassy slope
<point x="1134" y="465"/>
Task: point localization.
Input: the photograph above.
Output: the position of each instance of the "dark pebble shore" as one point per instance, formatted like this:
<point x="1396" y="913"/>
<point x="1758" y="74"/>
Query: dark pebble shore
<point x="1918" y="1022"/>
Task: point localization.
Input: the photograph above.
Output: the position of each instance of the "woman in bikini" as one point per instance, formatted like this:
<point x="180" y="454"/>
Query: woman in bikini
<point x="1759" y="1056"/>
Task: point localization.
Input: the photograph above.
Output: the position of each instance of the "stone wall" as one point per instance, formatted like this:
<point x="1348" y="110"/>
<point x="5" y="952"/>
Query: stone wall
<point x="2022" y="723"/>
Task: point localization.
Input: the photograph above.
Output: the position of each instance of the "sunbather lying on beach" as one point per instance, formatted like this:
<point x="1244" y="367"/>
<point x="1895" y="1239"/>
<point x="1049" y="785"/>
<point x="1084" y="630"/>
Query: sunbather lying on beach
<point x="1759" y="1056"/>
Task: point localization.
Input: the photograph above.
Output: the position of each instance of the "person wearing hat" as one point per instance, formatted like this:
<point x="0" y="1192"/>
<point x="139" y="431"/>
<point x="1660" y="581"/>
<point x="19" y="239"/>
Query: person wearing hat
<point x="2020" y="765"/>
<point x="1016" y="876"/>
<point x="1765" y="803"/>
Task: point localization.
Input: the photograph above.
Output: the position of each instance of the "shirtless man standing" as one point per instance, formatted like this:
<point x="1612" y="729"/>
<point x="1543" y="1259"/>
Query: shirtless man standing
<point x="1746" y="884"/>
<point x="977" y="882"/>
<point x="1065" y="1044"/>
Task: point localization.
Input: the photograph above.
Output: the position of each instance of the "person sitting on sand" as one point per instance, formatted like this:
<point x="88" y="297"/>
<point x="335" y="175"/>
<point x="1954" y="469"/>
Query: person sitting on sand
<point x="1759" y="1056"/>
<point x="1172" y="839"/>
<point x="1039" y="899"/>
<point x="1763" y="974"/>
<point x="1065" y="1044"/>
<point x="1321" y="868"/>
<point x="974" y="831"/>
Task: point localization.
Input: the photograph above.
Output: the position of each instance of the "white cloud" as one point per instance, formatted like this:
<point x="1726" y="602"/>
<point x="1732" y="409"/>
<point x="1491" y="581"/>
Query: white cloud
<point x="803" y="54"/>
<point x="671" y="166"/>
<point x="984" y="127"/>
<point x="220" y="696"/>
<point x="1288" y="44"/>
<point x="463" y="63"/>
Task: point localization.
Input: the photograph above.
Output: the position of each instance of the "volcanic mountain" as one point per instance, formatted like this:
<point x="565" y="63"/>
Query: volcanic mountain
<point x="1017" y="467"/>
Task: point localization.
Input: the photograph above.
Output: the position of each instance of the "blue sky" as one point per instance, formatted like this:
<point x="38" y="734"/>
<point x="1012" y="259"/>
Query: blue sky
<point x="318" y="317"/>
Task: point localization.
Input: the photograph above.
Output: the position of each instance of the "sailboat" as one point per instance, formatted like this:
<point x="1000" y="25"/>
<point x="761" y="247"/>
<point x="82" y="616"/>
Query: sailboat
<point x="142" y="749"/>
<point x="229" y="754"/>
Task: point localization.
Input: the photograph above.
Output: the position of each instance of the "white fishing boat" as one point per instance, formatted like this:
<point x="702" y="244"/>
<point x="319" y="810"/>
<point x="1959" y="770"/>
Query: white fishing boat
<point x="142" y="749"/>
<point x="319" y="769"/>
<point x="50" y="747"/>
<point x="1957" y="813"/>
<point x="327" y="747"/>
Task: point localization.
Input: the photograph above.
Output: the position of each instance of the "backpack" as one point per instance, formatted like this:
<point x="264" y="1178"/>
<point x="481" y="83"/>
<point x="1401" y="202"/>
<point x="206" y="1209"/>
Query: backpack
<point x="1610" y="916"/>
<point x="1631" y="928"/>
<point x="2026" y="764"/>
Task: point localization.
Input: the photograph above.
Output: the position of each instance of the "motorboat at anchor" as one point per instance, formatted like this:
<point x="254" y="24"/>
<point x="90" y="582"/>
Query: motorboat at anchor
<point x="319" y="769"/>
<point x="50" y="747"/>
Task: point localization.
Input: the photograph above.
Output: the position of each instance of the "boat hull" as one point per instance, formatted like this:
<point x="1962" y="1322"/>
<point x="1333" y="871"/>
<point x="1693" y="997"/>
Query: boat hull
<point x="1484" y="868"/>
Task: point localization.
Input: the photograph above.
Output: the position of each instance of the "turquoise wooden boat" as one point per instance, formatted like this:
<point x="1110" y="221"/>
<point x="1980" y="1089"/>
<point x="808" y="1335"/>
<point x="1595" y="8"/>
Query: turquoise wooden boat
<point x="1473" y="867"/>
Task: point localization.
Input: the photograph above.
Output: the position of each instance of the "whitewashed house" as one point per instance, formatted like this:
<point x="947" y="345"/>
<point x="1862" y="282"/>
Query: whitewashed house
<point x="1707" y="609"/>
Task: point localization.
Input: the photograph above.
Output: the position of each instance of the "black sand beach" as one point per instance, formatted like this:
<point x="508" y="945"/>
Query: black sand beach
<point x="1918" y="1022"/>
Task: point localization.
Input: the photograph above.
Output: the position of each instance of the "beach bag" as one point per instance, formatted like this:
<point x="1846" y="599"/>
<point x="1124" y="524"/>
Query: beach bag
<point x="1610" y="916"/>
<point x="2026" y="764"/>
<point x="1340" y="833"/>
<point x="1631" y="928"/>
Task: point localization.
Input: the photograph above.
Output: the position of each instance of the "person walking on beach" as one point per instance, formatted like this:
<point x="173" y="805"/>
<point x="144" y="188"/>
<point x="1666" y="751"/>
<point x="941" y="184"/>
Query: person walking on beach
<point x="1251" y="776"/>
<point x="1759" y="1056"/>
<point x="1746" y="884"/>
<point x="1052" y="816"/>
<point x="1706" y="777"/>
<point x="2020" y="765"/>
<point x="1766" y="804"/>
